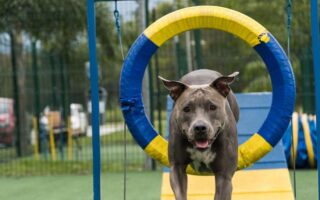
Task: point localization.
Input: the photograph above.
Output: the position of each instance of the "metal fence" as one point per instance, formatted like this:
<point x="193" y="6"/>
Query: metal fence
<point x="45" y="88"/>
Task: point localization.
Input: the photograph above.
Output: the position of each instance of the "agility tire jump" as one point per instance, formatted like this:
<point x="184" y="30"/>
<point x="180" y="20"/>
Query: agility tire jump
<point x="208" y="17"/>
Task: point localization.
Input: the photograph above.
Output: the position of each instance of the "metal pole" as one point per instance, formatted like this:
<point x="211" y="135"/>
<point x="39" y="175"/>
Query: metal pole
<point x="94" y="84"/>
<point x="307" y="79"/>
<point x="146" y="82"/>
<point x="197" y="41"/>
<point x="150" y="71"/>
<point x="156" y="65"/>
<point x="188" y="50"/>
<point x="54" y="91"/>
<point x="316" y="65"/>
<point x="36" y="89"/>
<point x="63" y="106"/>
<point x="150" y="74"/>
<point x="16" y="94"/>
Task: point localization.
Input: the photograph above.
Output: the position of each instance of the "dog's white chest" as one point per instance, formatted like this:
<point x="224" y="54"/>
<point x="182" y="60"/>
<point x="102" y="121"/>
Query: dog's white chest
<point x="198" y="157"/>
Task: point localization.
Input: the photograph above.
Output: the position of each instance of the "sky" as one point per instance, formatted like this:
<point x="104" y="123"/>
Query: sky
<point x="126" y="7"/>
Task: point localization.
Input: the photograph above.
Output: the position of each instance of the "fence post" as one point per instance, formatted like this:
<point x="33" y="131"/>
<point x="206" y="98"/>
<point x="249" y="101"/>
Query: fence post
<point x="94" y="85"/>
<point x="15" y="94"/>
<point x="316" y="65"/>
<point x="35" y="75"/>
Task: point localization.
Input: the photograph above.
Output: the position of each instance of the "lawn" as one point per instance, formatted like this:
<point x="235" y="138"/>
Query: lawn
<point x="140" y="186"/>
<point x="306" y="183"/>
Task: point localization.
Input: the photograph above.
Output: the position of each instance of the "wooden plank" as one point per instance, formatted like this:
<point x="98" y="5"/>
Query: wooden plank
<point x="248" y="184"/>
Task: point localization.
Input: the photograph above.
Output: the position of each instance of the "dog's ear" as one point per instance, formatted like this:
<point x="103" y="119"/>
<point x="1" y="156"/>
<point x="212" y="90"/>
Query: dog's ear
<point x="222" y="83"/>
<point x="175" y="87"/>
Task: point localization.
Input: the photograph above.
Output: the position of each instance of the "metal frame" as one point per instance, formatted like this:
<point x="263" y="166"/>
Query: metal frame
<point x="94" y="82"/>
<point x="215" y="18"/>
<point x="316" y="65"/>
<point x="94" y="85"/>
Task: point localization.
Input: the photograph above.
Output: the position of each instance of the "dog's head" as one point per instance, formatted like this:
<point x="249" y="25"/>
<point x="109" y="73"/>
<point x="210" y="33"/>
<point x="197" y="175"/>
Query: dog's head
<point x="199" y="110"/>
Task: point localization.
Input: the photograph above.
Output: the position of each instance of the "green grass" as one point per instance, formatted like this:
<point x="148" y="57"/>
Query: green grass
<point x="140" y="185"/>
<point x="112" y="156"/>
<point x="115" y="114"/>
<point x="7" y="152"/>
<point x="112" y="153"/>
<point x="306" y="184"/>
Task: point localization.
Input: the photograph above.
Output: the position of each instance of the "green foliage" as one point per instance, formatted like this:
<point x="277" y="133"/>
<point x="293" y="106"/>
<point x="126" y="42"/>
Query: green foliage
<point x="226" y="53"/>
<point x="60" y="28"/>
<point x="256" y="77"/>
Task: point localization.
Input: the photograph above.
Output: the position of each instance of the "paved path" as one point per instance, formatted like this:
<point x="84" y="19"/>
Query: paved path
<point x="106" y="129"/>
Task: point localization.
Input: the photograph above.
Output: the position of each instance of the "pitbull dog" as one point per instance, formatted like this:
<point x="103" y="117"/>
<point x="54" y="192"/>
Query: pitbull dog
<point x="203" y="130"/>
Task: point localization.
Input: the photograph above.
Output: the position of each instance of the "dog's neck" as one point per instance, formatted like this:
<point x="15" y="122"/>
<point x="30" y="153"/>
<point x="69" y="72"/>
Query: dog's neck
<point x="201" y="159"/>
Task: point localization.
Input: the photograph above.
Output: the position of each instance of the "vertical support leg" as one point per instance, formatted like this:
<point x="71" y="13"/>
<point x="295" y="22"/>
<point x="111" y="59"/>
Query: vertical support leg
<point x="70" y="150"/>
<point x="35" y="140"/>
<point x="94" y="86"/>
<point x="316" y="64"/>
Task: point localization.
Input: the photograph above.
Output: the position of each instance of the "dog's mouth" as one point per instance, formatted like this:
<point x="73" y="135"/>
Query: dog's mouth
<point x="202" y="144"/>
<point x="205" y="143"/>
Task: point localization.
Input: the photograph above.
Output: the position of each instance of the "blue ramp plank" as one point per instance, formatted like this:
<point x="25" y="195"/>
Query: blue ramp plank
<point x="254" y="108"/>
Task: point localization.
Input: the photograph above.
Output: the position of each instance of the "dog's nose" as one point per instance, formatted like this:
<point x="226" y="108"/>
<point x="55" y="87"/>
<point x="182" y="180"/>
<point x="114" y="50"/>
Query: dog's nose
<point x="200" y="128"/>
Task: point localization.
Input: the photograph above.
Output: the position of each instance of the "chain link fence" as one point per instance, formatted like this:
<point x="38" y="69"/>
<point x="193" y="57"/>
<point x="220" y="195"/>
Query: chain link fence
<point x="44" y="97"/>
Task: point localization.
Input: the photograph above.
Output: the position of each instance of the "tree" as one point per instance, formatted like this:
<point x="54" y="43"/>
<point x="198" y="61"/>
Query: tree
<point x="58" y="25"/>
<point x="13" y="23"/>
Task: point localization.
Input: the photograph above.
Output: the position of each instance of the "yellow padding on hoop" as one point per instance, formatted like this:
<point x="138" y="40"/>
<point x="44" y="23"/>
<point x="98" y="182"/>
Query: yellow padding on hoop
<point x="307" y="138"/>
<point x="252" y="150"/>
<point x="158" y="150"/>
<point x="211" y="17"/>
<point x="248" y="153"/>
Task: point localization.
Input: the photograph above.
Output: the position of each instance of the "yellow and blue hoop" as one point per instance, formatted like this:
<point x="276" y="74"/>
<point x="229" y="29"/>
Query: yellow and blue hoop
<point x="208" y="17"/>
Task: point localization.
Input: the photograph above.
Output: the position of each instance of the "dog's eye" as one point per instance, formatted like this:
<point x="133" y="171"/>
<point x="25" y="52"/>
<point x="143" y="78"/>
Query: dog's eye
<point x="212" y="107"/>
<point x="186" y="109"/>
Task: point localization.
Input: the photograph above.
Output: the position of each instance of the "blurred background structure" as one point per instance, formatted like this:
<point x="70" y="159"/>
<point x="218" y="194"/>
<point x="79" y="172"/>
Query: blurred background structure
<point x="44" y="95"/>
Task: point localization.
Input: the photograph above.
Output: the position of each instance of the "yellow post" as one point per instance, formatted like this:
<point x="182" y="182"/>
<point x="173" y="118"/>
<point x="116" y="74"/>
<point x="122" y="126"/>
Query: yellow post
<point x="69" y="139"/>
<point x="307" y="139"/>
<point x="295" y="132"/>
<point x="35" y="141"/>
<point x="51" y="138"/>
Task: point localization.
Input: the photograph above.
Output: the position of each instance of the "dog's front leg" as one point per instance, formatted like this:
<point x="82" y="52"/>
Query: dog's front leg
<point x="223" y="187"/>
<point x="178" y="181"/>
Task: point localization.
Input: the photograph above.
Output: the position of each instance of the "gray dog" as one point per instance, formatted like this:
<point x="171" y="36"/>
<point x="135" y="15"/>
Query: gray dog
<point x="203" y="130"/>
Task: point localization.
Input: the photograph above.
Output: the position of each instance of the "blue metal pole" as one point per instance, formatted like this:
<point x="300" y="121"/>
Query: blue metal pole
<point x="316" y="65"/>
<point x="94" y="85"/>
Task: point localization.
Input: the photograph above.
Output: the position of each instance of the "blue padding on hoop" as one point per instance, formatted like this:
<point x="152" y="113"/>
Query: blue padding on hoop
<point x="283" y="89"/>
<point x="131" y="90"/>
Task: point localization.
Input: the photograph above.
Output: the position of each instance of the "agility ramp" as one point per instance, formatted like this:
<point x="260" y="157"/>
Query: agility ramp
<point x="267" y="179"/>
